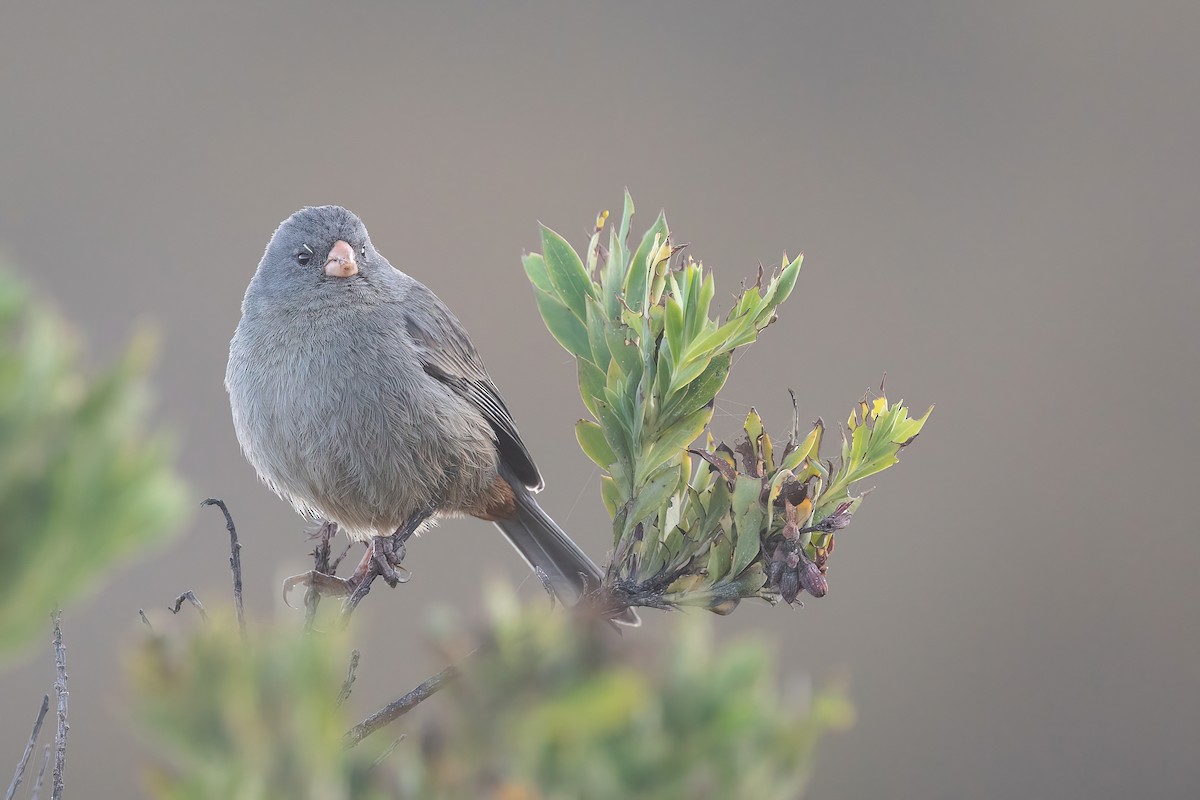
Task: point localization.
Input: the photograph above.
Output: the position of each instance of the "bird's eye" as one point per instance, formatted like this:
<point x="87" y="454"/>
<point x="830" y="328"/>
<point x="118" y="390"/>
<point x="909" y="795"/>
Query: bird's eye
<point x="303" y="257"/>
<point x="362" y="251"/>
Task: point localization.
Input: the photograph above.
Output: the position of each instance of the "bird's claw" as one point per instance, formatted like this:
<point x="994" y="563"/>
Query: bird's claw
<point x="322" y="584"/>
<point x="388" y="557"/>
<point x="384" y="559"/>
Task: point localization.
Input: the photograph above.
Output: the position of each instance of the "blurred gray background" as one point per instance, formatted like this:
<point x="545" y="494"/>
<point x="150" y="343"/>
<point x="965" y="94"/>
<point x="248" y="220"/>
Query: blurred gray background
<point x="998" y="203"/>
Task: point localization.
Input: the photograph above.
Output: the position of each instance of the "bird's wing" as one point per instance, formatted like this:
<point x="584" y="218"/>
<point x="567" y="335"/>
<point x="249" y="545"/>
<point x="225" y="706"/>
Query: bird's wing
<point x="446" y="354"/>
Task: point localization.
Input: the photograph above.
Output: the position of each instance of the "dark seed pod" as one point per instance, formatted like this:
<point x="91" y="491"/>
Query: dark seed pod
<point x="811" y="579"/>
<point x="789" y="586"/>
<point x="775" y="572"/>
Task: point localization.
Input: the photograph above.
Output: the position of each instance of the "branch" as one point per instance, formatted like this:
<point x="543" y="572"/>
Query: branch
<point x="60" y="687"/>
<point x="235" y="559"/>
<point x="190" y="596"/>
<point x="321" y="553"/>
<point x="398" y="708"/>
<point x="37" y="728"/>
<point x="390" y="749"/>
<point x="36" y="791"/>
<point x="351" y="674"/>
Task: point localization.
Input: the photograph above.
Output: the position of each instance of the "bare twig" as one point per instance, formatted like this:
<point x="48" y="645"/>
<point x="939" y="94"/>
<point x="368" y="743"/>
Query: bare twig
<point x="356" y="597"/>
<point x="235" y="559"/>
<point x="390" y="749"/>
<point x="60" y="687"/>
<point x="36" y="791"/>
<point x="37" y="729"/>
<point x="190" y="596"/>
<point x="312" y="598"/>
<point x="337" y="561"/>
<point x="351" y="674"/>
<point x="398" y="708"/>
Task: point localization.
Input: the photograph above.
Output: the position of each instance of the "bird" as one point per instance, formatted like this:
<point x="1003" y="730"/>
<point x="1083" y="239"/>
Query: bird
<point x="358" y="397"/>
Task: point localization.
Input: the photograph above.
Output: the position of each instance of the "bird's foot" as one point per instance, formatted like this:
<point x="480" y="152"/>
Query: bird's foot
<point x="384" y="559"/>
<point x="385" y="555"/>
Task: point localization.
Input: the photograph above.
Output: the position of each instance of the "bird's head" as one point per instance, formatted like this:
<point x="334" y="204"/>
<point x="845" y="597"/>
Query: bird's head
<point x="318" y="253"/>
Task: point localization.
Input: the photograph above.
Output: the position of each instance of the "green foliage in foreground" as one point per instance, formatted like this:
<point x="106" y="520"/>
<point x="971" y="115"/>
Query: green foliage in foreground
<point x="83" y="481"/>
<point x="651" y="359"/>
<point x="546" y="708"/>
<point x="248" y="717"/>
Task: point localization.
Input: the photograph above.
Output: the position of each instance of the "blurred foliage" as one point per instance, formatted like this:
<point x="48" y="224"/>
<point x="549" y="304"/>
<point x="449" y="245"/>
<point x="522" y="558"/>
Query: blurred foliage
<point x="651" y="359"/>
<point x="248" y="717"/>
<point x="546" y="707"/>
<point x="83" y="479"/>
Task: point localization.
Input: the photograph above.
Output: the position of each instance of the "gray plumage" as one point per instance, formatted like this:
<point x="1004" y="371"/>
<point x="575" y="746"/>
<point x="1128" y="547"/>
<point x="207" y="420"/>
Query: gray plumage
<point x="361" y="400"/>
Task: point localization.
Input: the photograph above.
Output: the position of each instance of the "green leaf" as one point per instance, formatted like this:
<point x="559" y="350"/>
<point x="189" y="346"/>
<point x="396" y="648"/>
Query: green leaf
<point x="875" y="465"/>
<point x="591" y="383"/>
<point x="671" y="441"/>
<point x="701" y="306"/>
<point x="689" y="372"/>
<point x="711" y="340"/>
<point x="591" y="440"/>
<point x="787" y="279"/>
<point x="626" y="218"/>
<point x="639" y="273"/>
<point x="567" y="273"/>
<point x="535" y="268"/>
<point x="597" y="330"/>
<point x="908" y="428"/>
<point x="720" y="555"/>
<point x="615" y="430"/>
<point x="663" y="370"/>
<point x="610" y="494"/>
<point x="653" y="494"/>
<point x="613" y="276"/>
<point x="807" y="448"/>
<point x="750" y="581"/>
<point x="753" y="426"/>
<point x="858" y="446"/>
<point x="748" y="514"/>
<point x="566" y="328"/>
<point x="674" y="326"/>
<point x="627" y="355"/>
<point x="702" y="390"/>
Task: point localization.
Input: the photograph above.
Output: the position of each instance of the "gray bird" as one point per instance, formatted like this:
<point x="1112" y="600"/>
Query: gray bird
<point x="359" y="398"/>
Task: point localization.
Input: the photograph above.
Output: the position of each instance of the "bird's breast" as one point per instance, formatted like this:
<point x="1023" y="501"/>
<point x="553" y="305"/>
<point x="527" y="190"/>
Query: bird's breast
<point x="336" y="413"/>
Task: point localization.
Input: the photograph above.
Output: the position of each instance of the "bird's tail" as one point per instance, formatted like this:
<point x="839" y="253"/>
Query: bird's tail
<point x="546" y="547"/>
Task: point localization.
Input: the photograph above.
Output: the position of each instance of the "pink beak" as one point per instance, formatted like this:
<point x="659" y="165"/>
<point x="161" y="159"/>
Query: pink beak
<point x="341" y="263"/>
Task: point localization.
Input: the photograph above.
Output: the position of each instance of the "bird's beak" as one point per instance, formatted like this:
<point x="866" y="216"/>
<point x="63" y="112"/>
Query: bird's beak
<point x="341" y="263"/>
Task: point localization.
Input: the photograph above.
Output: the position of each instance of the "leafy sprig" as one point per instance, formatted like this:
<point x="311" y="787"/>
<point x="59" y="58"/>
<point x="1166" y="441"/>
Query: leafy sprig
<point x="651" y="359"/>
